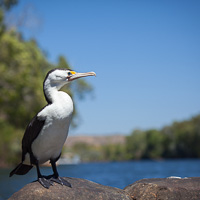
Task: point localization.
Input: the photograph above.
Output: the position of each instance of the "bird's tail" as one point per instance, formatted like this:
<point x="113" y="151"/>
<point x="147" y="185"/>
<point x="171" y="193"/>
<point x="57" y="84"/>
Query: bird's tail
<point x="21" y="169"/>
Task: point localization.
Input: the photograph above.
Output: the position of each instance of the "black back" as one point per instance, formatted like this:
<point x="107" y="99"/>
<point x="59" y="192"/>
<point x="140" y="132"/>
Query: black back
<point x="31" y="133"/>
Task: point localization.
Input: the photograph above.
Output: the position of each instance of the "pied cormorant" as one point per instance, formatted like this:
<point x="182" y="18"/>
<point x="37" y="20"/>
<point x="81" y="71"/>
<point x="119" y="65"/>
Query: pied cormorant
<point x="45" y="135"/>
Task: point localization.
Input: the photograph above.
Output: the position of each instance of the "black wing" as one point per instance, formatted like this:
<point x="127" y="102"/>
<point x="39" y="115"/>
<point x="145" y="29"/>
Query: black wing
<point x="32" y="131"/>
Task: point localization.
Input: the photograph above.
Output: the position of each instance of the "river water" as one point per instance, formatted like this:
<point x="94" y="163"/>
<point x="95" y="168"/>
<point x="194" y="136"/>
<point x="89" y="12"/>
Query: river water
<point x="115" y="174"/>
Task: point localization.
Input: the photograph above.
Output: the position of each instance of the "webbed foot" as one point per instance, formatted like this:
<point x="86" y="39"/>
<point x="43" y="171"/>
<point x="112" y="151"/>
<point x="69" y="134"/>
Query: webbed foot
<point x="45" y="182"/>
<point x="61" y="181"/>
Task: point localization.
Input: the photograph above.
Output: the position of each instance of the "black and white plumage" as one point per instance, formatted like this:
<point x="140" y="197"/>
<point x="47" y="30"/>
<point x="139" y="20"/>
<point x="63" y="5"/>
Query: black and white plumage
<point x="47" y="132"/>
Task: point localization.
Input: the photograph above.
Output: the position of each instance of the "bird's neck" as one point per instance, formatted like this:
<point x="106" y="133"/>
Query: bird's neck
<point x="49" y="94"/>
<point x="53" y="95"/>
<point x="50" y="91"/>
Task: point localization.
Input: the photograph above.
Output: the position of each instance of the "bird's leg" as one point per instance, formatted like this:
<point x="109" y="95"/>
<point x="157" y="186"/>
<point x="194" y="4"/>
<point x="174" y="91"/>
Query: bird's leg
<point x="41" y="179"/>
<point x="56" y="178"/>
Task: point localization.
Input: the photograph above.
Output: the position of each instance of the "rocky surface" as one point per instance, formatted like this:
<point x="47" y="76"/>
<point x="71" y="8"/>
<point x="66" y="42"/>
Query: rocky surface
<point x="81" y="190"/>
<point x="145" y="189"/>
<point x="165" y="189"/>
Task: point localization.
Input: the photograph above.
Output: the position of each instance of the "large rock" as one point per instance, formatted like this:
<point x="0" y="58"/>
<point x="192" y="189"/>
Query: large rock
<point x="145" y="189"/>
<point x="81" y="190"/>
<point x="165" y="189"/>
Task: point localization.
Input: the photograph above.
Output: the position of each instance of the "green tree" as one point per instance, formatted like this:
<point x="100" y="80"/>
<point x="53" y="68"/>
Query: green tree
<point x="179" y="140"/>
<point x="22" y="69"/>
<point x="136" y="145"/>
<point x="7" y="4"/>
<point x="187" y="138"/>
<point x="4" y="6"/>
<point x="113" y="152"/>
<point x="87" y="152"/>
<point x="154" y="144"/>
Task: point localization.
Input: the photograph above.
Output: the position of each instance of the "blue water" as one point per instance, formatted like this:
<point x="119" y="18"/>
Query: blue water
<point x="115" y="174"/>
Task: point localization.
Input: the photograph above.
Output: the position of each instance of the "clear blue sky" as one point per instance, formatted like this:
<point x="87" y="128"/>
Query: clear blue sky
<point x="146" y="55"/>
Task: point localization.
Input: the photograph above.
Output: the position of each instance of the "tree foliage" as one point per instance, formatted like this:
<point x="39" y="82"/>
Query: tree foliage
<point x="7" y="4"/>
<point x="180" y="140"/>
<point x="22" y="69"/>
<point x="4" y="6"/>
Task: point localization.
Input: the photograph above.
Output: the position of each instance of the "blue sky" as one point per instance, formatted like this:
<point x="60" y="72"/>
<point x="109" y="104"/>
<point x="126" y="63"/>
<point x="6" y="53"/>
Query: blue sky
<point x="146" y="55"/>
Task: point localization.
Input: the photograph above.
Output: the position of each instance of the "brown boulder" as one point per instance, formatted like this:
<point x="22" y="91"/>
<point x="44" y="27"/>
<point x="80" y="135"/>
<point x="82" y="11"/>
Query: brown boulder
<point x="81" y="190"/>
<point x="145" y="189"/>
<point x="165" y="189"/>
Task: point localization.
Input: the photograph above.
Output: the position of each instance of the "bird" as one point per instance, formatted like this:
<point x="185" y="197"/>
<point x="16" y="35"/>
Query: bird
<point x="47" y="132"/>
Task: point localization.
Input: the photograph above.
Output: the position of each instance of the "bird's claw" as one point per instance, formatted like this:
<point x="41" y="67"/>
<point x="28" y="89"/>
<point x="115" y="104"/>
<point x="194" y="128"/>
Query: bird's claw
<point x="61" y="181"/>
<point x="45" y="182"/>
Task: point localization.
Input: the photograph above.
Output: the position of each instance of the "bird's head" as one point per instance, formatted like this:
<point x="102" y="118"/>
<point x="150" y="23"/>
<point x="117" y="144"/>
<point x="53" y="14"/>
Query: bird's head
<point x="59" y="77"/>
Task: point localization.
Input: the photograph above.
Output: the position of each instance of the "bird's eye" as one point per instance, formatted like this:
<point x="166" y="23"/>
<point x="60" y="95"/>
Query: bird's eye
<point x="69" y="73"/>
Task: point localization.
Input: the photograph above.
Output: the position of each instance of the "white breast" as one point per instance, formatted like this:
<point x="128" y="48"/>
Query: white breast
<point x="49" y="143"/>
